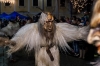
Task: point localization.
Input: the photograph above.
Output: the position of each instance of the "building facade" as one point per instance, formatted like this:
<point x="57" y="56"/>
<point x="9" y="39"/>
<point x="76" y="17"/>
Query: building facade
<point x="60" y="8"/>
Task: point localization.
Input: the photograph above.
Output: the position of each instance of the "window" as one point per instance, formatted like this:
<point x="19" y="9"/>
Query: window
<point x="21" y="2"/>
<point x="35" y="2"/>
<point x="62" y="3"/>
<point x="7" y="4"/>
<point x="49" y="2"/>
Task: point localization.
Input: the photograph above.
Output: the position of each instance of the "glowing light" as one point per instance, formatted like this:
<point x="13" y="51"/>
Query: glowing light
<point x="7" y="1"/>
<point x="79" y="4"/>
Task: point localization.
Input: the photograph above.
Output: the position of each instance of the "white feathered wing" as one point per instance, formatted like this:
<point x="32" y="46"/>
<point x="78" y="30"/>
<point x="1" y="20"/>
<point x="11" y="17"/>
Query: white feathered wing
<point x="29" y="36"/>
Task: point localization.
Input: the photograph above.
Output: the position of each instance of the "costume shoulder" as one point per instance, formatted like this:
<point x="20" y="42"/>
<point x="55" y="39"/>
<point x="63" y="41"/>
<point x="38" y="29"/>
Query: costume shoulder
<point x="27" y="36"/>
<point x="66" y="32"/>
<point x="28" y="28"/>
<point x="71" y="32"/>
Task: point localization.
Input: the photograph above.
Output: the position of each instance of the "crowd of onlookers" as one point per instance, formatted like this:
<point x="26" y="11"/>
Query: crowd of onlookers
<point x="83" y="21"/>
<point x="22" y="22"/>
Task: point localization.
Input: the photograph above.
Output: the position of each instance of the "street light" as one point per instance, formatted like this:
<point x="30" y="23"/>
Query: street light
<point x="7" y="1"/>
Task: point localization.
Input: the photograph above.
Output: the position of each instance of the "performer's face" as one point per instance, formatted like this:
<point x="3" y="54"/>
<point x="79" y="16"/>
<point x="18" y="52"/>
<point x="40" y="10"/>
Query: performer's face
<point x="48" y="24"/>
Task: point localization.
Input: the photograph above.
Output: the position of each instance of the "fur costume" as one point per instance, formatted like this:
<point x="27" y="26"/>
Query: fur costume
<point x="45" y="36"/>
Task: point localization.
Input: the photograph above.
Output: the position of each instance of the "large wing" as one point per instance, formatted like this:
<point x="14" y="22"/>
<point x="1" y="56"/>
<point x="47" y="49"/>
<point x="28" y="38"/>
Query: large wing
<point x="27" y="36"/>
<point x="66" y="33"/>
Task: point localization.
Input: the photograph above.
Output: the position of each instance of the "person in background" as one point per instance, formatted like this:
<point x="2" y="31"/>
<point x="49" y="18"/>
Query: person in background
<point x="1" y="24"/>
<point x="82" y="49"/>
<point x="82" y="44"/>
<point x="87" y="22"/>
<point x="67" y="20"/>
<point x="17" y="19"/>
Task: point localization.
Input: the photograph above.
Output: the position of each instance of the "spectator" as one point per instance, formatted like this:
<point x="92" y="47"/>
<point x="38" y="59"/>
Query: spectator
<point x="67" y="20"/>
<point x="74" y="22"/>
<point x="82" y="49"/>
<point x="75" y="47"/>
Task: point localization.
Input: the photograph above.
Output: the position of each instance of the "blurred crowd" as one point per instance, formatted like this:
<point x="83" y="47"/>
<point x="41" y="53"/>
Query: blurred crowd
<point x="22" y="22"/>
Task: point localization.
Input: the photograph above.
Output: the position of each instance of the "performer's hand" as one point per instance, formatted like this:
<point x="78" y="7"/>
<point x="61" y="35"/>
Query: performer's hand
<point x="6" y="41"/>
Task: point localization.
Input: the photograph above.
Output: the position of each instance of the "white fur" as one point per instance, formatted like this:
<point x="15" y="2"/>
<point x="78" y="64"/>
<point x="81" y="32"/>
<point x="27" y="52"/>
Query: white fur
<point x="43" y="59"/>
<point x="30" y="37"/>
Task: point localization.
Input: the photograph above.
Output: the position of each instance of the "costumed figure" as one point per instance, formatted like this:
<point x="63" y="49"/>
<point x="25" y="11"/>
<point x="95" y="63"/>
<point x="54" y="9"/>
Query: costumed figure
<point x="45" y="36"/>
<point x="94" y="33"/>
